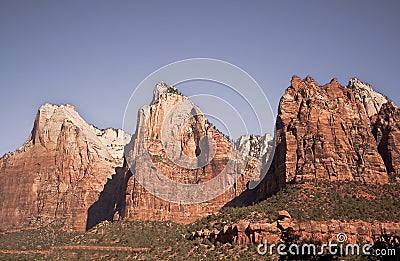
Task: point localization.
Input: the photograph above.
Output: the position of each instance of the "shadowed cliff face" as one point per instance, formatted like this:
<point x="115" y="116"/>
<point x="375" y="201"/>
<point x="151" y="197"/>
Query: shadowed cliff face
<point x="59" y="171"/>
<point x="386" y="129"/>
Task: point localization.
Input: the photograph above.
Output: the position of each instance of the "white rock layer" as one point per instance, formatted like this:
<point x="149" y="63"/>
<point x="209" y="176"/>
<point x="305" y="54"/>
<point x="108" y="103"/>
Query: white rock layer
<point x="371" y="99"/>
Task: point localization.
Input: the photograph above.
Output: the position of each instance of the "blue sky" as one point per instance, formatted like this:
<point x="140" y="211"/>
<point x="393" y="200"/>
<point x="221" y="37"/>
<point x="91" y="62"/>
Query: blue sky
<point x="93" y="54"/>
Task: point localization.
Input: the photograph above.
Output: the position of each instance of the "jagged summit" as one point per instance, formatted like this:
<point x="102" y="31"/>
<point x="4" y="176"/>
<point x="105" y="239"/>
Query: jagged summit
<point x="169" y="94"/>
<point x="162" y="88"/>
<point x="297" y="83"/>
<point x="330" y="127"/>
<point x="371" y="99"/>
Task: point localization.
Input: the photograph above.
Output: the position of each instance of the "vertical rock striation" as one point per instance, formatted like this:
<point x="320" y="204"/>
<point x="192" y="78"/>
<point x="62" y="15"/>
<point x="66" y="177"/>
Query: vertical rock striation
<point x="324" y="132"/>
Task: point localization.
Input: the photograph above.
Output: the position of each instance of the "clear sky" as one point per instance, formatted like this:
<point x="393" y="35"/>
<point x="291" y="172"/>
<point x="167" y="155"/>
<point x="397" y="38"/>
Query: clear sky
<point x="93" y="54"/>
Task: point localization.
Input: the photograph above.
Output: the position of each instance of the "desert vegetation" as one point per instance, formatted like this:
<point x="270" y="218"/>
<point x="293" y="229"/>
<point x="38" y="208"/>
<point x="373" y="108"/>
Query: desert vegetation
<point x="127" y="240"/>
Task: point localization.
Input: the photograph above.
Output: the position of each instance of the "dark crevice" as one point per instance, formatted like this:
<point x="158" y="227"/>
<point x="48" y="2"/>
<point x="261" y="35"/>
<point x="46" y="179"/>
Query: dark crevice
<point x="110" y="200"/>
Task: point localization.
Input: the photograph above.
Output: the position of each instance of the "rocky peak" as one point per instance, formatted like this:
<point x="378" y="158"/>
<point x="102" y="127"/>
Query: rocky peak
<point x="59" y="171"/>
<point x="184" y="147"/>
<point x="371" y="100"/>
<point x="323" y="132"/>
<point x="52" y="119"/>
<point x="159" y="89"/>
<point x="162" y="88"/>
<point x="297" y="83"/>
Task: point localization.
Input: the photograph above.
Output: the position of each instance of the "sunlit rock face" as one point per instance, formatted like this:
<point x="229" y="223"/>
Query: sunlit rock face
<point x="174" y="140"/>
<point x="324" y="132"/>
<point x="59" y="171"/>
<point x="370" y="99"/>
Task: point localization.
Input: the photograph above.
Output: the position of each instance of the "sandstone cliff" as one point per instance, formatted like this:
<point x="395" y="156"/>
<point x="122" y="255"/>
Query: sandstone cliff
<point x="59" y="171"/>
<point x="324" y="132"/>
<point x="188" y="150"/>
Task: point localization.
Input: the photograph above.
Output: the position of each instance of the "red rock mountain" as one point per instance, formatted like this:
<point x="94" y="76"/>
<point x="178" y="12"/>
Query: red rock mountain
<point x="335" y="132"/>
<point x="148" y="155"/>
<point x="69" y="169"/>
<point x="59" y="171"/>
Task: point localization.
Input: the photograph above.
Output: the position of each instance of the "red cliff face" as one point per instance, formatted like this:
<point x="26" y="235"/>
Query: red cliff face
<point x="324" y="132"/>
<point x="59" y="171"/>
<point x="170" y="146"/>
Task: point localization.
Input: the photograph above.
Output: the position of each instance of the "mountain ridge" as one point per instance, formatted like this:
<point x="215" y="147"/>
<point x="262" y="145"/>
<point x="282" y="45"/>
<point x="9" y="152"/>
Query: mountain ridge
<point x="78" y="172"/>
